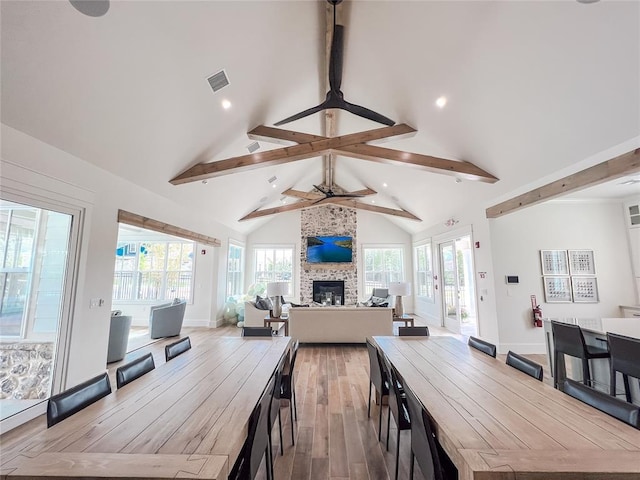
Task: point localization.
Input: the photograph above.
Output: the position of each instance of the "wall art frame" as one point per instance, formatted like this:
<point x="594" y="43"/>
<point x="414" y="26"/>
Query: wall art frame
<point x="584" y="289"/>
<point x="581" y="262"/>
<point x="554" y="262"/>
<point x="557" y="289"/>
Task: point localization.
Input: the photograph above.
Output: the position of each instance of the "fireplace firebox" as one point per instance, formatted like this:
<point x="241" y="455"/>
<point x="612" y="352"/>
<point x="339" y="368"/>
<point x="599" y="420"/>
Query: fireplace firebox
<point x="322" y="287"/>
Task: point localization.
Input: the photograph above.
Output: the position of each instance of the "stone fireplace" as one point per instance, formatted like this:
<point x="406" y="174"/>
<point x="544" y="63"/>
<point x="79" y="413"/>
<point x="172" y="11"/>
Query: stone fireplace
<point x="334" y="287"/>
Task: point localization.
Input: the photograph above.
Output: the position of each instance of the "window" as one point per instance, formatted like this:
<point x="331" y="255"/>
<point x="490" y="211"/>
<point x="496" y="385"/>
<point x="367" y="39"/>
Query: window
<point x="424" y="271"/>
<point x="274" y="264"/>
<point x="153" y="270"/>
<point x="381" y="266"/>
<point x="235" y="270"/>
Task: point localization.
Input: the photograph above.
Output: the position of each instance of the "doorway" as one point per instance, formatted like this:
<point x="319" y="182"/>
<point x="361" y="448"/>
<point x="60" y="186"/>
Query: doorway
<point x="458" y="288"/>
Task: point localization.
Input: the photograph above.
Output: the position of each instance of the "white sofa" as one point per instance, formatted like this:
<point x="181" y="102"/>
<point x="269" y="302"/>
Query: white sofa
<point x="339" y="324"/>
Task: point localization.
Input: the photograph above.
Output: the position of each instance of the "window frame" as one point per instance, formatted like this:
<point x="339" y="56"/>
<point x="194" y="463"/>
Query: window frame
<point x="241" y="271"/>
<point x="428" y="272"/>
<point x="279" y="246"/>
<point x="390" y="246"/>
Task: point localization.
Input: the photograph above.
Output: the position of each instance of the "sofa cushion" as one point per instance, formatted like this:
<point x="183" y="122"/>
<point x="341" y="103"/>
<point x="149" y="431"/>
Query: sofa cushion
<point x="263" y="303"/>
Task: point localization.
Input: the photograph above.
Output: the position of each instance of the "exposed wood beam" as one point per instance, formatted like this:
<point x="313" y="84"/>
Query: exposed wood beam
<point x="304" y="195"/>
<point x="272" y="134"/>
<point x="620" y="166"/>
<point x="282" y="136"/>
<point x="302" y="151"/>
<point x="378" y="209"/>
<point x="330" y="115"/>
<point x="158" y="226"/>
<point x="272" y="211"/>
<point x="433" y="164"/>
<point x="364" y="192"/>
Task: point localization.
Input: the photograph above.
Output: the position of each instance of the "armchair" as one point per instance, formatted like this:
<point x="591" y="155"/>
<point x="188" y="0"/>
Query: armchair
<point x="166" y="320"/>
<point x="118" y="336"/>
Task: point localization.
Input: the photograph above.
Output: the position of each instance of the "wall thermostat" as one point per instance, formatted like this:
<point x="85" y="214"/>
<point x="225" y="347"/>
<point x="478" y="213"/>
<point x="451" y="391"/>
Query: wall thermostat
<point x="512" y="279"/>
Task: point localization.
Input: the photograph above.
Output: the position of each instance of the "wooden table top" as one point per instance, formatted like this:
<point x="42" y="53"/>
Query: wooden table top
<point x="497" y="423"/>
<point x="185" y="419"/>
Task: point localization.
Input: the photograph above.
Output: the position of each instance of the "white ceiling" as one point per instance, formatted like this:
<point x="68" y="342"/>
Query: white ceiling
<point x="533" y="88"/>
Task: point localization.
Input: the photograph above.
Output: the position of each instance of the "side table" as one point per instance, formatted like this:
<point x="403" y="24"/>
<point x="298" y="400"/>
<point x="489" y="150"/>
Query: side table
<point x="408" y="321"/>
<point x="269" y="320"/>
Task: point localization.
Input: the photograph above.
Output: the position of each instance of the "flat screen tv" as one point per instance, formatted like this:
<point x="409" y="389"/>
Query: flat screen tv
<point x="325" y="249"/>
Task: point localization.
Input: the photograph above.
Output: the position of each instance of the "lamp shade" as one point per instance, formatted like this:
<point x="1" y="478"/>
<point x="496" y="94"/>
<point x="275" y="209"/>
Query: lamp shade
<point x="399" y="288"/>
<point x="277" y="289"/>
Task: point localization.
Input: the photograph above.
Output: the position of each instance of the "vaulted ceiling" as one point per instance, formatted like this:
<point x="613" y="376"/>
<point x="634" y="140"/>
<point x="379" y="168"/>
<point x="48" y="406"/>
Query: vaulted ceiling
<point x="532" y="88"/>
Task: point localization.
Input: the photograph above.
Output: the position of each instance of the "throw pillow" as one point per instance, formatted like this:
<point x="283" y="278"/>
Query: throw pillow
<point x="263" y="303"/>
<point x="379" y="301"/>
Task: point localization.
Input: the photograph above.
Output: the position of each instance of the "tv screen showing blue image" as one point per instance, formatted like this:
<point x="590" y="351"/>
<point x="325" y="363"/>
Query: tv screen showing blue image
<point x="324" y="249"/>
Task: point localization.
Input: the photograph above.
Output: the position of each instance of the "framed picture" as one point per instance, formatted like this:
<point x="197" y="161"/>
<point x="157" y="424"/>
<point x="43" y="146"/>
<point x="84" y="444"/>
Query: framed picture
<point x="557" y="289"/>
<point x="581" y="262"/>
<point x="554" y="262"/>
<point x="584" y="289"/>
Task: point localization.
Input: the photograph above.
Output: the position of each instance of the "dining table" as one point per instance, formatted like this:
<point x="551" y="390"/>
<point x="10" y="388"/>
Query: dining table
<point x="495" y="422"/>
<point x="187" y="418"/>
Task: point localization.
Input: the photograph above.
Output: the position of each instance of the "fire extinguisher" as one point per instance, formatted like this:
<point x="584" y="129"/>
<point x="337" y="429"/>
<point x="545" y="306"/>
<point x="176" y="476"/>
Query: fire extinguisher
<point x="537" y="312"/>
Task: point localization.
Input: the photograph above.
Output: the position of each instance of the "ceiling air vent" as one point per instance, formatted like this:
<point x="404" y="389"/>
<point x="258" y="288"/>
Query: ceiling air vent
<point x="252" y="147"/>
<point x="218" y="80"/>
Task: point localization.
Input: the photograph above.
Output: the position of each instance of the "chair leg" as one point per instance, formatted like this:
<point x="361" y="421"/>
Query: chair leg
<point x="293" y="394"/>
<point x="380" y="421"/>
<point x="627" y="388"/>
<point x="612" y="382"/>
<point x="397" y="450"/>
<point x="280" y="428"/>
<point x="293" y="442"/>
<point x="556" y="360"/>
<point x="586" y="374"/>
<point x="388" y="425"/>
<point x="268" y="464"/>
<point x="369" y="409"/>
<point x="413" y="458"/>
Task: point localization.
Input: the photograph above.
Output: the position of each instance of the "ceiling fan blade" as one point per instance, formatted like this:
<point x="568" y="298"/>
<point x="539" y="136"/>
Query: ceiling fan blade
<point x="366" y="113"/>
<point x="324" y="192"/>
<point x="303" y="114"/>
<point x="335" y="59"/>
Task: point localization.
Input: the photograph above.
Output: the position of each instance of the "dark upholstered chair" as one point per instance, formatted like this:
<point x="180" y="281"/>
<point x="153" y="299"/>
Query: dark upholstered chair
<point x="525" y="365"/>
<point x="424" y="447"/>
<point x="135" y="369"/>
<point x="177" y="348"/>
<point x="627" y="412"/>
<point x="71" y="401"/>
<point x="274" y="411"/>
<point x="413" y="331"/>
<point x="397" y="407"/>
<point x="625" y="358"/>
<point x="568" y="339"/>
<point x="484" y="347"/>
<point x="118" y="336"/>
<point x="257" y="332"/>
<point x="288" y="388"/>
<point x="256" y="445"/>
<point x="378" y="379"/>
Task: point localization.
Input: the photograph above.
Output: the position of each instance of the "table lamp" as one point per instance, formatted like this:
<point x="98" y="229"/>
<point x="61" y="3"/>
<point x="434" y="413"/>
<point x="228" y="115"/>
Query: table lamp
<point x="399" y="289"/>
<point x="277" y="290"/>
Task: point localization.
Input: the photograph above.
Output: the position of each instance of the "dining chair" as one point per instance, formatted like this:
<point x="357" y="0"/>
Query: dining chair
<point x="256" y="446"/>
<point x="525" y="365"/>
<point x="484" y="347"/>
<point x="288" y="388"/>
<point x="129" y="372"/>
<point x="71" y="401"/>
<point x="569" y="340"/>
<point x="274" y="411"/>
<point x="257" y="332"/>
<point x="627" y="412"/>
<point x="397" y="407"/>
<point x="420" y="331"/>
<point x="378" y="379"/>
<point x="177" y="348"/>
<point x="625" y="358"/>
<point x="423" y="442"/>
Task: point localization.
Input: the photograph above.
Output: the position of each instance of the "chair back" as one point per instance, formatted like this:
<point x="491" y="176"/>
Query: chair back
<point x="568" y="339"/>
<point x="287" y="385"/>
<point x="119" y="328"/>
<point x="277" y="393"/>
<point x="627" y="412"/>
<point x="397" y="407"/>
<point x="177" y="348"/>
<point x="525" y="365"/>
<point x="380" y="292"/>
<point x="625" y="354"/>
<point x="376" y="370"/>
<point x="413" y="331"/>
<point x="71" y="401"/>
<point x="259" y="429"/>
<point x="257" y="332"/>
<point x="423" y="443"/>
<point x="135" y="369"/>
<point x="484" y="347"/>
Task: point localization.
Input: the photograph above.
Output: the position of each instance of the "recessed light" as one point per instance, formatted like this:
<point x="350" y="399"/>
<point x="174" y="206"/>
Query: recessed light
<point x="226" y="104"/>
<point x="373" y="201"/>
<point x="441" y="102"/>
<point x="274" y="185"/>
<point x="384" y="185"/>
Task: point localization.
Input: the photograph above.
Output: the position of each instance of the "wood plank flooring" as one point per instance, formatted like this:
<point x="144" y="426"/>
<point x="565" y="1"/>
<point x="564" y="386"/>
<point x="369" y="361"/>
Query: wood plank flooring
<point x="334" y="437"/>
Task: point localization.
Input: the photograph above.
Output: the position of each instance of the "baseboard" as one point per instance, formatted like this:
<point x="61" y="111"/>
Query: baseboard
<point x="524" y="348"/>
<point x="196" y="323"/>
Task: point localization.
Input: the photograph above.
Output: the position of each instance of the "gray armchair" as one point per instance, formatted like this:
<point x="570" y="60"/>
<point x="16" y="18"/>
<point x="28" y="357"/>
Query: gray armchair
<point x="166" y="320"/>
<point x="379" y="298"/>
<point x="118" y="337"/>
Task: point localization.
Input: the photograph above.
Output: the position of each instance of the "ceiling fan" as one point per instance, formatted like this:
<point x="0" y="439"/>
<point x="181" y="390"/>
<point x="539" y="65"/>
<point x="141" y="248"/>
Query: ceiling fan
<point x="335" y="97"/>
<point x="329" y="193"/>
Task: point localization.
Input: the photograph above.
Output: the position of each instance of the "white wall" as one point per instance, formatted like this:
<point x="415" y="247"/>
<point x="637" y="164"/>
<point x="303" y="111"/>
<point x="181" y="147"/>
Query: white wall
<point x="517" y="239"/>
<point x="36" y="167"/>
